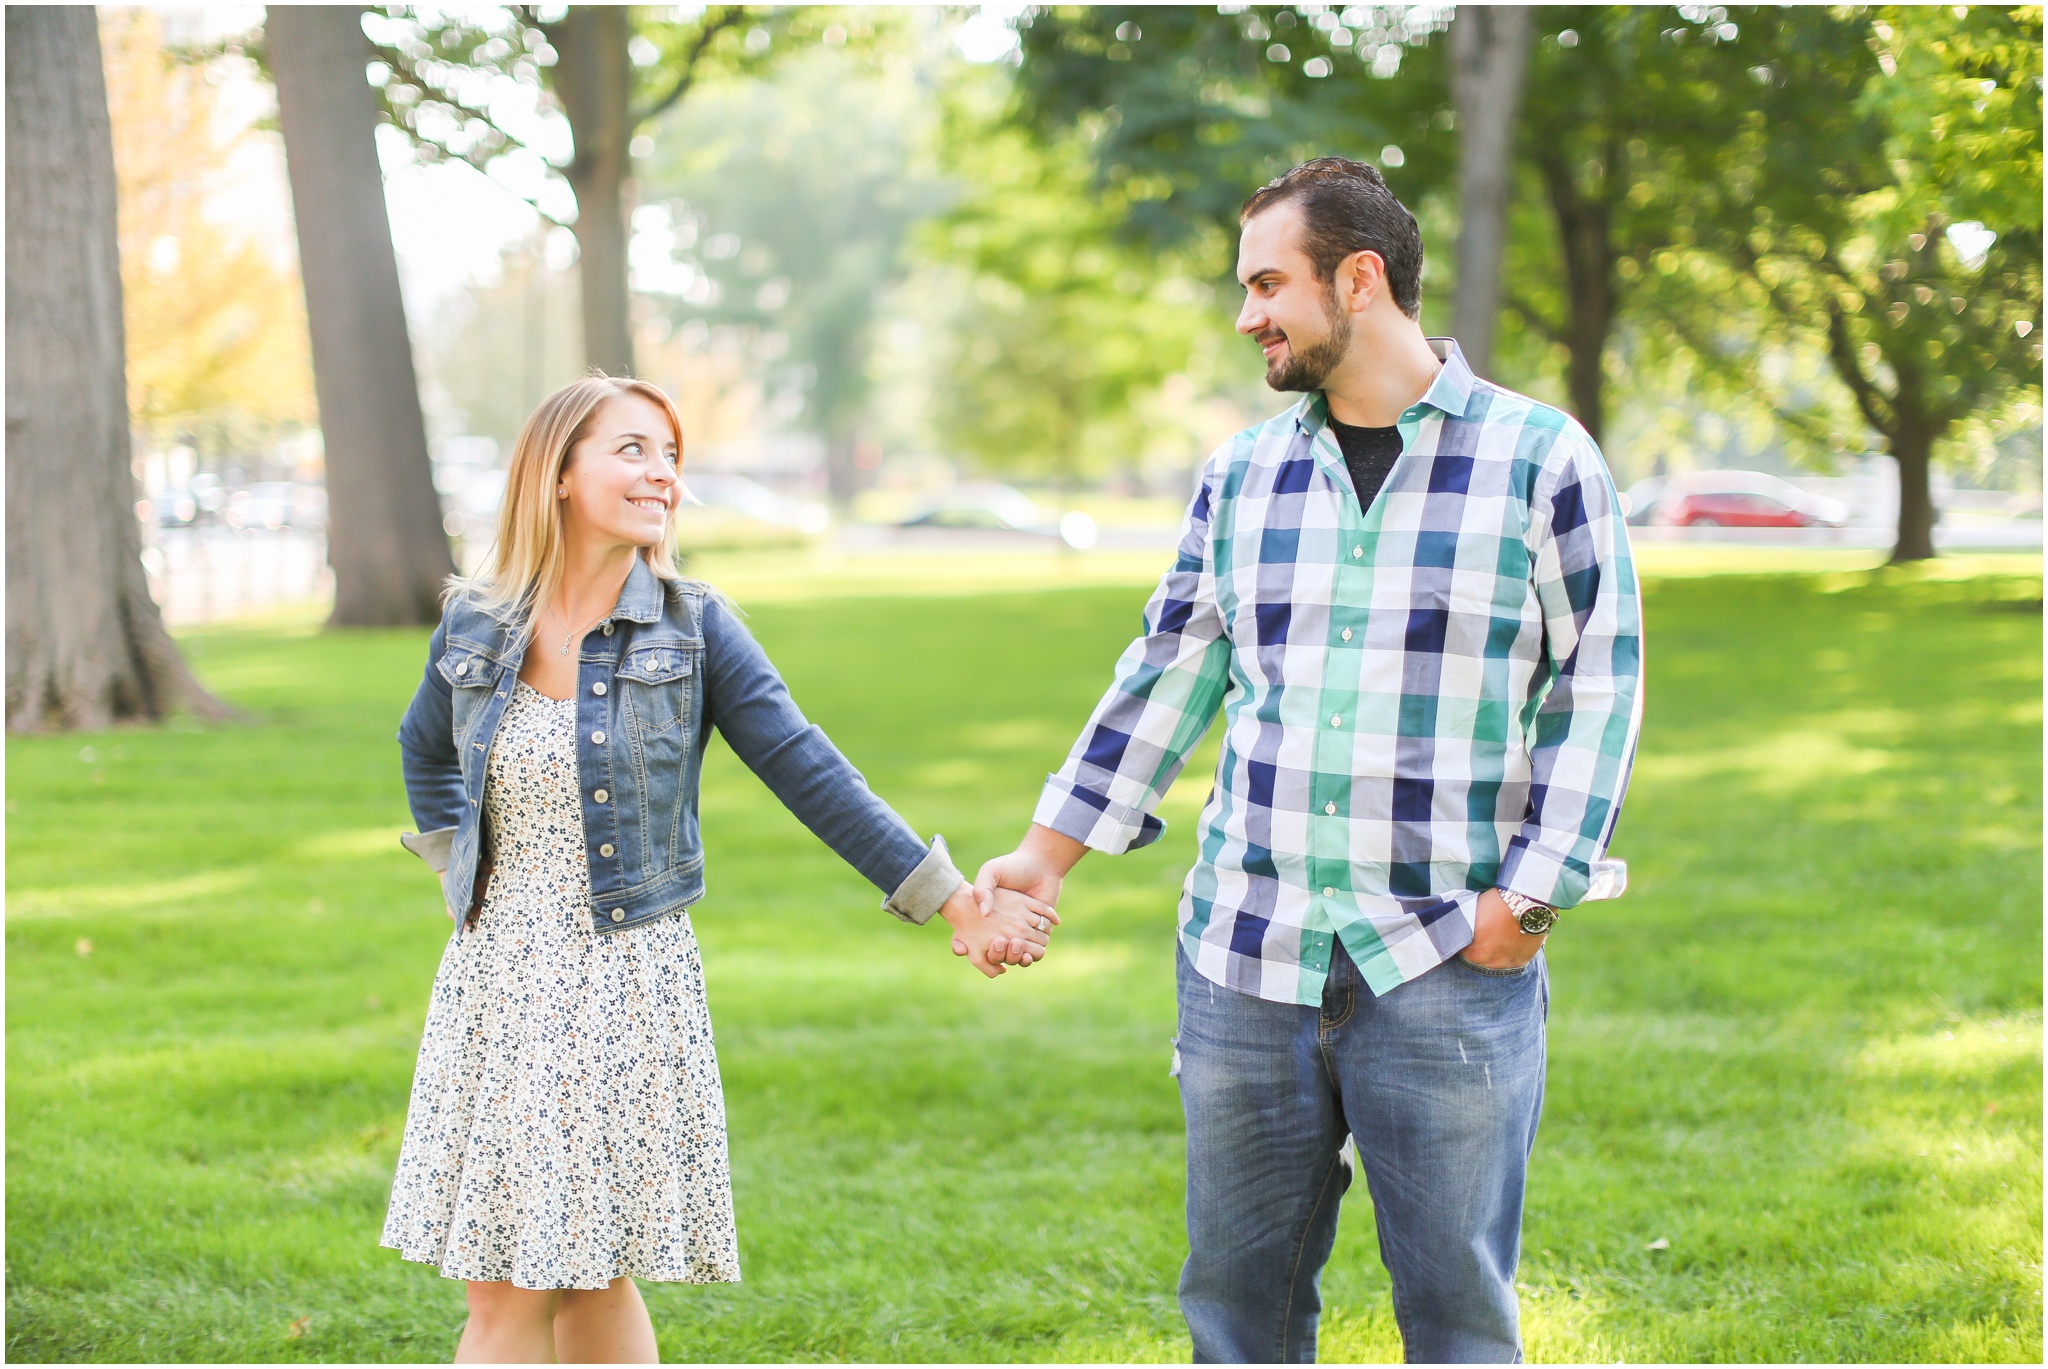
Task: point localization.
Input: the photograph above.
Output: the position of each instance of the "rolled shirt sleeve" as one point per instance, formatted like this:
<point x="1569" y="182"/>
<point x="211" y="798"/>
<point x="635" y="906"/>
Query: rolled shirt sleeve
<point x="1582" y="740"/>
<point x="925" y="890"/>
<point x="1165" y="692"/>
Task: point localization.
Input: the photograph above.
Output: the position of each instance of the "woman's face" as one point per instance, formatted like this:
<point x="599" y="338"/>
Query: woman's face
<point x="620" y="481"/>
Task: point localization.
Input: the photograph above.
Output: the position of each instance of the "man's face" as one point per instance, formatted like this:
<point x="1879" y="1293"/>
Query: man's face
<point x="1295" y="318"/>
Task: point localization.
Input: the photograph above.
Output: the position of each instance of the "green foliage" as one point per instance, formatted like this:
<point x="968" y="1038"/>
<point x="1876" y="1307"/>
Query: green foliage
<point x="472" y="83"/>
<point x="1071" y="351"/>
<point x="795" y="194"/>
<point x="1196" y="109"/>
<point x="1861" y="202"/>
<point x="1803" y="1052"/>
<point x="1769" y="139"/>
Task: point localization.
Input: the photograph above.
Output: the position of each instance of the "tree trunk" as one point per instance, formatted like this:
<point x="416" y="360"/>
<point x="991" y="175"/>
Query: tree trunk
<point x="842" y="475"/>
<point x="384" y="538"/>
<point x="1489" y="57"/>
<point x="594" y="80"/>
<point x="1583" y="237"/>
<point x="1913" y="450"/>
<point x="86" y="646"/>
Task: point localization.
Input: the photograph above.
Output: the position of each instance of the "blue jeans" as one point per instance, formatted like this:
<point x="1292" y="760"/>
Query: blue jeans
<point x="1441" y="1083"/>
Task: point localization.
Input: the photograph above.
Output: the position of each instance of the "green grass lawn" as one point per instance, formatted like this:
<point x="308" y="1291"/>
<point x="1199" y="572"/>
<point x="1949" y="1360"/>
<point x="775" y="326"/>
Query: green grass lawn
<point x="1804" y="1051"/>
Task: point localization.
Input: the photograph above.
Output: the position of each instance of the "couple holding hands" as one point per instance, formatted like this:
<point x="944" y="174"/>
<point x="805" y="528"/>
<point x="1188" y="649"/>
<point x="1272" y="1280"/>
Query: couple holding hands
<point x="1411" y="598"/>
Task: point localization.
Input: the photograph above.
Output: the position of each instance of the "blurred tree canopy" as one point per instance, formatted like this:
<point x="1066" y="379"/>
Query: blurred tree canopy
<point x="1860" y="185"/>
<point x="1073" y="349"/>
<point x="1883" y="205"/>
<point x="1196" y="108"/>
<point x="216" y="326"/>
<point x="781" y="206"/>
<point x="548" y="98"/>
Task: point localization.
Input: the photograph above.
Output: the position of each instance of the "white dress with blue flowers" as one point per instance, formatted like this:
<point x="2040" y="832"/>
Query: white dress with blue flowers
<point x="566" y="1124"/>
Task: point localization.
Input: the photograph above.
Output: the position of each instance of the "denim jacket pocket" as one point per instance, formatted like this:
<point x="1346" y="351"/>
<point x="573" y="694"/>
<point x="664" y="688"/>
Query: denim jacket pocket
<point x="654" y="686"/>
<point x="469" y="673"/>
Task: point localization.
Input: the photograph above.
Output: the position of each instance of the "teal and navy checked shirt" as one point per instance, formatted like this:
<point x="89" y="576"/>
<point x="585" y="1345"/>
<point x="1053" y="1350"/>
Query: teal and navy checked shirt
<point x="1421" y="701"/>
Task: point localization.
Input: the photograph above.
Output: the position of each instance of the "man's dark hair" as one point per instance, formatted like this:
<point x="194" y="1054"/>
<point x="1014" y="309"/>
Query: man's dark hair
<point x="1346" y="208"/>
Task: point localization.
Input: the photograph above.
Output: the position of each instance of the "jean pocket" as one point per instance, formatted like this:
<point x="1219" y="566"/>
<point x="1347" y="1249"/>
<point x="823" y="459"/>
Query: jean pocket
<point x="1487" y="972"/>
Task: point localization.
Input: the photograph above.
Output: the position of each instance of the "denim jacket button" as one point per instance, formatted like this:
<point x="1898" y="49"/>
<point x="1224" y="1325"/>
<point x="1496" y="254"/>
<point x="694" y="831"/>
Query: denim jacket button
<point x="597" y="737"/>
<point x="597" y="688"/>
<point x="601" y="795"/>
<point x="462" y="667"/>
<point x="618" y="914"/>
<point x="605" y="849"/>
<point x="607" y="629"/>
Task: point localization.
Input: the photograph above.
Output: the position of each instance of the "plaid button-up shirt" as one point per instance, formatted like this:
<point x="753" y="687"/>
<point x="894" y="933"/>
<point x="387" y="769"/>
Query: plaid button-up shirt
<point x="1435" y="696"/>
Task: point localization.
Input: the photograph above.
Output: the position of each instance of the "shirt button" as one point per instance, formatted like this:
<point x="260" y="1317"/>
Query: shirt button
<point x="602" y="795"/>
<point x="607" y="629"/>
<point x="1347" y="634"/>
<point x="597" y="737"/>
<point x="1357" y="552"/>
<point x="1329" y="892"/>
<point x="618" y="914"/>
<point x="597" y="688"/>
<point x="1331" y="808"/>
<point x="1336" y="720"/>
<point x="605" y="849"/>
<point x="462" y="667"/>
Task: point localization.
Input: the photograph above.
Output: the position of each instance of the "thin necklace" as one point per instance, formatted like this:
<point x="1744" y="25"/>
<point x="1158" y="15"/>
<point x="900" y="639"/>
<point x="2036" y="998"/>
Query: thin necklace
<point x="572" y="633"/>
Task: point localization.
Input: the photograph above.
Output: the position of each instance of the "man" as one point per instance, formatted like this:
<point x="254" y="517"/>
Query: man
<point x="1412" y="597"/>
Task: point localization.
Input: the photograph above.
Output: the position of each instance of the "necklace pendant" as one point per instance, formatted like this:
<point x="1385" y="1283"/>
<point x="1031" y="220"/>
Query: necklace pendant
<point x="564" y="651"/>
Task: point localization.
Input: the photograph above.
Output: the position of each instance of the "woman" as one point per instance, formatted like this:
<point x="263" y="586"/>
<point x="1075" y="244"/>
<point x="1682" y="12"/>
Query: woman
<point x="566" y="1130"/>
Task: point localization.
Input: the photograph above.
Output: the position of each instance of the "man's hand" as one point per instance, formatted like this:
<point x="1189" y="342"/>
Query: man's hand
<point x="1014" y="922"/>
<point x="1498" y="941"/>
<point x="1036" y="868"/>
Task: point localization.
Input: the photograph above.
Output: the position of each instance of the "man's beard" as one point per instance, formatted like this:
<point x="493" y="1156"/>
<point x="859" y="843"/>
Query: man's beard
<point x="1306" y="368"/>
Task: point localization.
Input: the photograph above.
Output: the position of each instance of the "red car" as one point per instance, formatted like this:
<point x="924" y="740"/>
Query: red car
<point x="1746" y="499"/>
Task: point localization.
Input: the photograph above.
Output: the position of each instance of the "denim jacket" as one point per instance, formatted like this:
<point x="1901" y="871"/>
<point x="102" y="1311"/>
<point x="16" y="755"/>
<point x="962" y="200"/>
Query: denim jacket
<point x="670" y="662"/>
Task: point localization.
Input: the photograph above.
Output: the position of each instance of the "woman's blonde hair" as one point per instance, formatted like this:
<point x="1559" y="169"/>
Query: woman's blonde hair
<point x="524" y="566"/>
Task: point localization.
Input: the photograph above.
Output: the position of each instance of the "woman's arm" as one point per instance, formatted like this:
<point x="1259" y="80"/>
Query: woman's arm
<point x="433" y="772"/>
<point x="746" y="700"/>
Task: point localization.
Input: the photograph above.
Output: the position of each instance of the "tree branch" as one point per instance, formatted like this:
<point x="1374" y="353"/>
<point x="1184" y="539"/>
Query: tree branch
<point x="1531" y="315"/>
<point x="1878" y="412"/>
<point x="712" y="27"/>
<point x="1740" y="371"/>
<point x="480" y="158"/>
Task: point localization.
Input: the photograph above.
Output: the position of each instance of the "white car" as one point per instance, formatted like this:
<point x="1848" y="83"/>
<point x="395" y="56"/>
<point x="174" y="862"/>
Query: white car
<point x="1001" y="508"/>
<point x="752" y="499"/>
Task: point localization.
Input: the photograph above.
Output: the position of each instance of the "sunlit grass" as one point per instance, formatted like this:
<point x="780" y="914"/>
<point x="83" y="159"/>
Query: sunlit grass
<point x="1803" y="1054"/>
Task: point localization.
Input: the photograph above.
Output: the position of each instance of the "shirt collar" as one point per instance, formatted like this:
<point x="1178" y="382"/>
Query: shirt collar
<point x="640" y="600"/>
<point x="1450" y="392"/>
<point x="1452" y="389"/>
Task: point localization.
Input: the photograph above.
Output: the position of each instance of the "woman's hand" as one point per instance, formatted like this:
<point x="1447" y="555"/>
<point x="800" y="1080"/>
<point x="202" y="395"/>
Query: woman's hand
<point x="1021" y="923"/>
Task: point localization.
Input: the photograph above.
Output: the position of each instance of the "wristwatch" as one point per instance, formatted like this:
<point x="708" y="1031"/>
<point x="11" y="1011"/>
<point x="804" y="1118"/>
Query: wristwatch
<point x="1532" y="917"/>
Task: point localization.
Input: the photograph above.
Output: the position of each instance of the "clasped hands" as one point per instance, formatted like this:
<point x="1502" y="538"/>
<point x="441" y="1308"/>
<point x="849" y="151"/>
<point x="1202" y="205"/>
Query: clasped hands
<point x="1006" y="917"/>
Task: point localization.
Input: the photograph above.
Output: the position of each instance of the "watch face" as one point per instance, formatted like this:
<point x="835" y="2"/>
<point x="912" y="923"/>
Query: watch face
<point x="1538" y="920"/>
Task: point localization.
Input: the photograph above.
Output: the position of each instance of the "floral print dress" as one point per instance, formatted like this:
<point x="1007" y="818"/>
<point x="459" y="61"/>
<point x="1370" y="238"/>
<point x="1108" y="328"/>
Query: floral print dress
<point x="566" y="1123"/>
